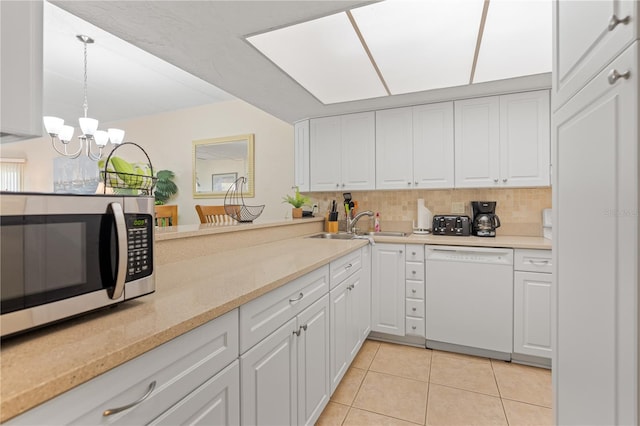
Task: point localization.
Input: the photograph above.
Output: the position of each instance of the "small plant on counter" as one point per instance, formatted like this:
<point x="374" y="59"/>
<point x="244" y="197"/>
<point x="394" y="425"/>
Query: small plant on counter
<point x="165" y="186"/>
<point x="298" y="200"/>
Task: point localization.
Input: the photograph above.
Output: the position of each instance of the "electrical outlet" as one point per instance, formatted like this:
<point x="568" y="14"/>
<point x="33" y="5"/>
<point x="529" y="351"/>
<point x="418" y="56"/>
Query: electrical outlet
<point x="457" y="207"/>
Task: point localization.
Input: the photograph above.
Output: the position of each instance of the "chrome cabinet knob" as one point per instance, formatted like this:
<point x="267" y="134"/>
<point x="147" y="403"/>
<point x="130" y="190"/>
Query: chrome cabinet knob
<point x="504" y="180"/>
<point x="614" y="21"/>
<point x="415" y="183"/>
<point x="337" y="185"/>
<point x="614" y="76"/>
<point x="413" y="309"/>
<point x="413" y="272"/>
<point x="413" y="290"/>
<point x="413" y="327"/>
<point x="409" y="183"/>
<point x="495" y="180"/>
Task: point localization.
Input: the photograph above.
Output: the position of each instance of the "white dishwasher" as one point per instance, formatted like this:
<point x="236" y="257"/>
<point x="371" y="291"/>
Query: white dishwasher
<point x="469" y="297"/>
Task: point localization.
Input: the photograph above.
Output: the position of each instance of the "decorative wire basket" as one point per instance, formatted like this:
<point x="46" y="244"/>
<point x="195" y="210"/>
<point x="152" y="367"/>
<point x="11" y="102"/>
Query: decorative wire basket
<point x="234" y="203"/>
<point x="131" y="181"/>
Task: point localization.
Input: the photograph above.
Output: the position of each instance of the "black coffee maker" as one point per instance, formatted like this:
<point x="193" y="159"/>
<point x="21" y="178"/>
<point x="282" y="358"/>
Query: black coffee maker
<point x="485" y="219"/>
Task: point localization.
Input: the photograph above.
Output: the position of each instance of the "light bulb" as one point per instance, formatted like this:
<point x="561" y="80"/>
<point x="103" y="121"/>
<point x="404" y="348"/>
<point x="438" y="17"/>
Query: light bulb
<point x="88" y="125"/>
<point x="53" y="125"/>
<point x="116" y="136"/>
<point x="66" y="133"/>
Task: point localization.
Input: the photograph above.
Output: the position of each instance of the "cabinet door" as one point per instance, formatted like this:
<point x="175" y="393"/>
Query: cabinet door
<point x="325" y="163"/>
<point x="339" y="310"/>
<point x="584" y="44"/>
<point x="314" y="388"/>
<point x="394" y="148"/>
<point x="433" y="146"/>
<point x="358" y="151"/>
<point x="301" y="155"/>
<point x="269" y="382"/>
<point x="354" y="306"/>
<point x="525" y="148"/>
<point x="216" y="402"/>
<point x="477" y="151"/>
<point x="364" y="293"/>
<point x="532" y="314"/>
<point x="596" y="158"/>
<point x="387" y="288"/>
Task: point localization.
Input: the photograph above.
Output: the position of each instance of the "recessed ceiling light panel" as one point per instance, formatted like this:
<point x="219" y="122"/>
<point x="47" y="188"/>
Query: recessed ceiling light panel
<point x="325" y="56"/>
<point x="516" y="40"/>
<point x="421" y="45"/>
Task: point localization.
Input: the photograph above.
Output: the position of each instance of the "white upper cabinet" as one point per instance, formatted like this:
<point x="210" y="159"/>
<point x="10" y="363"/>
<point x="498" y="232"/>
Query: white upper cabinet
<point x="585" y="45"/>
<point x="433" y="146"/>
<point x="301" y="155"/>
<point x="477" y="142"/>
<point x="342" y="150"/>
<point x="525" y="147"/>
<point x="414" y="147"/>
<point x="21" y="53"/>
<point x="503" y="141"/>
<point x="394" y="148"/>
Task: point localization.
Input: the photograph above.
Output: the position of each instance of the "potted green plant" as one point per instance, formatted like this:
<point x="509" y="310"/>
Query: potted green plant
<point x="165" y="186"/>
<point x="297" y="201"/>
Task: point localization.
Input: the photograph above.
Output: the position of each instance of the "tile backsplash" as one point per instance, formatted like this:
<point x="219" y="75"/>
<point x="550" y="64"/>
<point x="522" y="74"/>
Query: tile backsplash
<point x="519" y="209"/>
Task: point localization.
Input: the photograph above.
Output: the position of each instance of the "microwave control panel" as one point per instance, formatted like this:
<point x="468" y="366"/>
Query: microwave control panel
<point x="140" y="246"/>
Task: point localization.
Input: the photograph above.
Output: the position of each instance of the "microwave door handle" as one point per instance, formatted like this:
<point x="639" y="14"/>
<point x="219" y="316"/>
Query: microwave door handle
<point x="121" y="237"/>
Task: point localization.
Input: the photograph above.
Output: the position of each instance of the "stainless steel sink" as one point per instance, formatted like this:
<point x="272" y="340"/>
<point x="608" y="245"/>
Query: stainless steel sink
<point x="387" y="234"/>
<point x="329" y="236"/>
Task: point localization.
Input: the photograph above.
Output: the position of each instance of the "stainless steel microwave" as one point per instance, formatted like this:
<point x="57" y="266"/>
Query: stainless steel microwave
<point x="65" y="255"/>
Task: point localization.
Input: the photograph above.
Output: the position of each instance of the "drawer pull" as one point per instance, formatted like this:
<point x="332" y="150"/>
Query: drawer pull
<point x="111" y="411"/>
<point x="539" y="262"/>
<point x="413" y="309"/>
<point x="413" y="290"/>
<point x="413" y="327"/>
<point x="614" y="76"/>
<point x="351" y="287"/>
<point x="413" y="272"/>
<point x="348" y="266"/>
<point x="614" y="21"/>
<point x="413" y="253"/>
<point x="300" y="296"/>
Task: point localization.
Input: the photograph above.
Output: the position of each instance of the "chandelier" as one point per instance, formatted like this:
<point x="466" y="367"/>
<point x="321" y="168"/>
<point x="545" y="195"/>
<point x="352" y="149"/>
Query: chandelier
<point x="61" y="134"/>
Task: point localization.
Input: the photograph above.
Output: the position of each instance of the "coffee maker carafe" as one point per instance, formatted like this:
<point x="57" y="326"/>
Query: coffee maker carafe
<point x="485" y="219"/>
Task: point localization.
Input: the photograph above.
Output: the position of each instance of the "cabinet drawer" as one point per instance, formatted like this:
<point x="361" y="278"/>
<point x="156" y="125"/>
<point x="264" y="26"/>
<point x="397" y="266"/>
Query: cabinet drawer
<point x="262" y="316"/>
<point x="341" y="269"/>
<point x="415" y="289"/>
<point x="177" y="368"/>
<point x="414" y="271"/>
<point x="415" y="327"/>
<point x="415" y="308"/>
<point x="415" y="252"/>
<point x="532" y="260"/>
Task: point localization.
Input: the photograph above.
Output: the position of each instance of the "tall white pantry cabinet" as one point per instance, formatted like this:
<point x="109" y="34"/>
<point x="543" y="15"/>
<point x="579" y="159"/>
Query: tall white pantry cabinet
<point x="595" y="147"/>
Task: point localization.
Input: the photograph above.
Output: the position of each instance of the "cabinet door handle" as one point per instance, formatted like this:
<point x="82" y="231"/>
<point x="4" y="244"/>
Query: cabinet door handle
<point x="614" y="21"/>
<point x="504" y="180"/>
<point x="614" y="76"/>
<point x="111" y="411"/>
<point x="400" y="252"/>
<point x="348" y="266"/>
<point x="415" y="183"/>
<point x="300" y="296"/>
<point x="413" y="309"/>
<point x="409" y="183"/>
<point x="413" y="327"/>
<point x="539" y="262"/>
<point x="413" y="290"/>
<point x="495" y="180"/>
<point x="413" y="253"/>
<point x="299" y="330"/>
<point x="337" y="185"/>
<point x="413" y="272"/>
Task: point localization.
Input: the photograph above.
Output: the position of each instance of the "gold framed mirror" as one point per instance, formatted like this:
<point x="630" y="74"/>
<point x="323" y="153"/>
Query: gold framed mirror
<point x="218" y="162"/>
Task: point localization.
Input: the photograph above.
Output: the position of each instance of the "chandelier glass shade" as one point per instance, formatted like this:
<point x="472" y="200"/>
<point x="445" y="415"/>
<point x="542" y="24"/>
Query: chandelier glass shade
<point x="62" y="134"/>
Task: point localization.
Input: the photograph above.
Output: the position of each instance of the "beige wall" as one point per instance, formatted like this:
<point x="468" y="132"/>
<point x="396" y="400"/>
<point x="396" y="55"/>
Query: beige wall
<point x="167" y="139"/>
<point x="520" y="210"/>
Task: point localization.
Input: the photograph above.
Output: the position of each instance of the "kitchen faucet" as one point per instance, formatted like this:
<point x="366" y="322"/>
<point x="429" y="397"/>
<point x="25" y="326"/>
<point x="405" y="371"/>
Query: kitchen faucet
<point x="351" y="223"/>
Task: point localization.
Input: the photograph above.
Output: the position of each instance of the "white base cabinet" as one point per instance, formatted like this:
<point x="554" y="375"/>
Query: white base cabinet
<point x="388" y="289"/>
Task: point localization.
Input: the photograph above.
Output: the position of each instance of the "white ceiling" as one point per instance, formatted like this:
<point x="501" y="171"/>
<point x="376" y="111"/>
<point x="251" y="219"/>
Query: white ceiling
<point x="207" y="39"/>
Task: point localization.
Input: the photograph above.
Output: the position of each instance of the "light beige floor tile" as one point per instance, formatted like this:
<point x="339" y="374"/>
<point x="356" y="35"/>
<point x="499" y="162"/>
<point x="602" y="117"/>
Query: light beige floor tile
<point x="523" y="383"/>
<point x="469" y="373"/>
<point x="333" y="415"/>
<point x="393" y="396"/>
<point x="405" y="361"/>
<point x="451" y="407"/>
<point x="366" y="354"/>
<point x="358" y="417"/>
<point x="348" y="387"/>
<point x="521" y="414"/>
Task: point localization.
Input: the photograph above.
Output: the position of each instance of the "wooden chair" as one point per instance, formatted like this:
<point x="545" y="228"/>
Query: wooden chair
<point x="167" y="215"/>
<point x="213" y="214"/>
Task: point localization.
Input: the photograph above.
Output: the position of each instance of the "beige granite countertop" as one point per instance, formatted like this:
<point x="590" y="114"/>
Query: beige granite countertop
<point x="511" y="241"/>
<point x="44" y="363"/>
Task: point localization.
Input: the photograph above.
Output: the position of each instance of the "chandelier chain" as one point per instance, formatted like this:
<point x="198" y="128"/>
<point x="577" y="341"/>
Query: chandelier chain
<point x="86" y="102"/>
